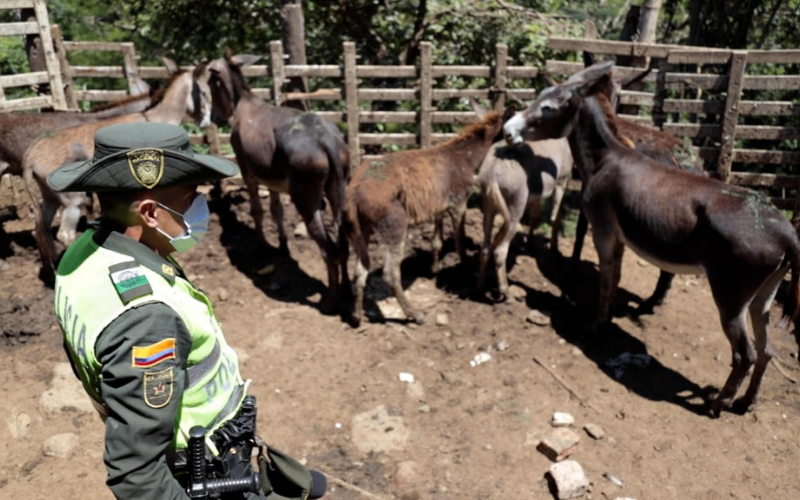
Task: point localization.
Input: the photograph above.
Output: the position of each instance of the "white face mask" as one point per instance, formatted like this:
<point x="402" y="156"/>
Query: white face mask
<point x="195" y="219"/>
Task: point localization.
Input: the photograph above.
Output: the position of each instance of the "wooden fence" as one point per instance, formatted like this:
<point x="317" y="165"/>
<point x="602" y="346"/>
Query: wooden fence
<point x="704" y="88"/>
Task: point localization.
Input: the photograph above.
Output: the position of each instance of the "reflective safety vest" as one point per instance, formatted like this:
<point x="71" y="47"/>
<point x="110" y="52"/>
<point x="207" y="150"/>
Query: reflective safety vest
<point x="87" y="301"/>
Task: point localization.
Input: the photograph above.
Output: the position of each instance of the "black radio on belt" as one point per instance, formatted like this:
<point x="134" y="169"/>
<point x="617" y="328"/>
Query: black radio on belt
<point x="200" y="486"/>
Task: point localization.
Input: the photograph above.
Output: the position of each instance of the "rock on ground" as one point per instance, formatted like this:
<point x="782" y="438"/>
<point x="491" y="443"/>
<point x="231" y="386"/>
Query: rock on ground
<point x="570" y="480"/>
<point x="61" y="445"/>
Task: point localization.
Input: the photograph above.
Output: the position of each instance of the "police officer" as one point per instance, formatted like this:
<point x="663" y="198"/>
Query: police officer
<point x="142" y="339"/>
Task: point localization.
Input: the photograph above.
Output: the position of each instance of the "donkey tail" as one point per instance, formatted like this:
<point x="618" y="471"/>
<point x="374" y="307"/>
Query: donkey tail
<point x="792" y="307"/>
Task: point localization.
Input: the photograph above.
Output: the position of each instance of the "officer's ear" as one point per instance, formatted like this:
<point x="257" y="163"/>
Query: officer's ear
<point x="146" y="212"/>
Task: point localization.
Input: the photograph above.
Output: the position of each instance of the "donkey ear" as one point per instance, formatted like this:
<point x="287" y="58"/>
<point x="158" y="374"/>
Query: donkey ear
<point x="244" y="60"/>
<point x="479" y="110"/>
<point x="171" y="65"/>
<point x="139" y="86"/>
<point x="509" y="112"/>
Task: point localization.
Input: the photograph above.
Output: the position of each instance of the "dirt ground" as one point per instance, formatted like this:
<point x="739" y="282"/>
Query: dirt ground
<point x="331" y="394"/>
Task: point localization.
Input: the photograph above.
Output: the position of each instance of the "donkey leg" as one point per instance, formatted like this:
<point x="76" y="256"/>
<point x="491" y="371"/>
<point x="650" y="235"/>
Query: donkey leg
<point x="743" y="356"/>
<point x="501" y="243"/>
<point x="609" y="252"/>
<point x="361" y="273"/>
<point x="759" y="317"/>
<point x="436" y="243"/>
<point x="458" y="217"/>
<point x="489" y="214"/>
<point x="70" y="216"/>
<point x="391" y="272"/>
<point x="580" y="235"/>
<point x="316" y="229"/>
<point x="256" y="210"/>
<point x="555" y="216"/>
<point x="662" y="287"/>
<point x="276" y="209"/>
<point x="535" y="216"/>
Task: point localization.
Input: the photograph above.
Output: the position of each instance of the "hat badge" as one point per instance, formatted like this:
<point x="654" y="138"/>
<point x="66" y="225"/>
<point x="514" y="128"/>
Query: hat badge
<point x="147" y="166"/>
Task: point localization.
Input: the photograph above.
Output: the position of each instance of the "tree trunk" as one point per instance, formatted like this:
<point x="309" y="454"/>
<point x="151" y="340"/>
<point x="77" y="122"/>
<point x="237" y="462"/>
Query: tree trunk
<point x="34" y="50"/>
<point x="293" y="25"/>
<point x="648" y="20"/>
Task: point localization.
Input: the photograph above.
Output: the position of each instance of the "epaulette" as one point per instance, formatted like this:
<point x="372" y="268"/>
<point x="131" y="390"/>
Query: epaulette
<point x="129" y="280"/>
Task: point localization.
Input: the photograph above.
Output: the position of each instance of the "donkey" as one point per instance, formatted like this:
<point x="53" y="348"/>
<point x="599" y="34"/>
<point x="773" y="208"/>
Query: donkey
<point x="184" y="95"/>
<point x="512" y="179"/>
<point x="388" y="195"/>
<point x="19" y="130"/>
<point x="679" y="221"/>
<point x="658" y="145"/>
<point x="286" y="150"/>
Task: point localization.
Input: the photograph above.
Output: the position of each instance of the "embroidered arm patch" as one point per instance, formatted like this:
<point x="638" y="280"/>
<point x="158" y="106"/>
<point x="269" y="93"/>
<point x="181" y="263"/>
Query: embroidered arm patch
<point x="158" y="388"/>
<point x="129" y="281"/>
<point x="151" y="355"/>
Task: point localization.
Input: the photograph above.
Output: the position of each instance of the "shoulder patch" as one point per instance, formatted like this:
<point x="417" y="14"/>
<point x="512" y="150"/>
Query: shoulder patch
<point x="129" y="281"/>
<point x="158" y="388"/>
<point x="151" y="355"/>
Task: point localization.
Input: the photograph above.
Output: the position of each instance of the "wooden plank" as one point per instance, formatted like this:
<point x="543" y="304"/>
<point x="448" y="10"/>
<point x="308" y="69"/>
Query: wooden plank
<point x="16" y="4"/>
<point x="50" y="58"/>
<point x="774" y="82"/>
<point x="313" y="70"/>
<point x="522" y="72"/>
<point x="63" y="63"/>
<point x="98" y="72"/>
<point x="637" y="98"/>
<point x="212" y="139"/>
<point x="640" y="119"/>
<point x="24" y="79"/>
<point x="440" y="138"/>
<point x="620" y="72"/>
<point x="692" y="129"/>
<point x="256" y="71"/>
<point x="764" y="180"/>
<point x="720" y="82"/>
<point x="386" y="71"/>
<point x="631" y="49"/>
<point x="380" y="139"/>
<point x="789" y="56"/>
<point x="456" y="70"/>
<point x="388" y="94"/>
<point x="82" y="46"/>
<point x="334" y="116"/>
<point x="14" y="29"/>
<point x="351" y="102"/>
<point x="766" y="156"/>
<point x="317" y="95"/>
<point x="2" y="95"/>
<point x="42" y="101"/>
<point x="278" y="75"/>
<point x="153" y="72"/>
<point x="522" y="94"/>
<point x="731" y="117"/>
<point x="766" y="132"/>
<point x="500" y="77"/>
<point x="439" y="94"/>
<point x="460" y="117"/>
<point x="693" y="106"/>
<point x="131" y="66"/>
<point x="100" y="95"/>
<point x="425" y="93"/>
<point x="265" y="94"/>
<point x="389" y="117"/>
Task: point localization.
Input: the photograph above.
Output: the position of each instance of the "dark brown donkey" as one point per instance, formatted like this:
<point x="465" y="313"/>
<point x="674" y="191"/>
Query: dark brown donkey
<point x="402" y="189"/>
<point x="285" y="150"/>
<point x="658" y="145"/>
<point x="679" y="221"/>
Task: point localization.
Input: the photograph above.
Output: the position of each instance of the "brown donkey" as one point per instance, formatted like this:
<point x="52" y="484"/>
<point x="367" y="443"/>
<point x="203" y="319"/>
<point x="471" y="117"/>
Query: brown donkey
<point x="679" y="221"/>
<point x="286" y="150"/>
<point x="184" y="95"/>
<point x="402" y="189"/>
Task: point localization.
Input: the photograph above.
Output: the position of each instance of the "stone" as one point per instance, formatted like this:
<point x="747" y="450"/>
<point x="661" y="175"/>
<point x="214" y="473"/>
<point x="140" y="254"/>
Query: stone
<point x="517" y="292"/>
<point x="442" y="319"/>
<point x="562" y="419"/>
<point x="559" y="444"/>
<point x="300" y="230"/>
<point x="18" y="425"/>
<point x="375" y="431"/>
<point x="223" y="294"/>
<point x="570" y="479"/>
<point x="502" y="345"/>
<point x="594" y="431"/>
<point x="65" y="394"/>
<point x="61" y="445"/>
<point x="538" y="318"/>
<point x="424" y="408"/>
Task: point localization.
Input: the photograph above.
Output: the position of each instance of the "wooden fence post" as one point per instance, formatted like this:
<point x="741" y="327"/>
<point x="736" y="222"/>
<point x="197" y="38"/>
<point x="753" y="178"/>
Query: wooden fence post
<point x="731" y="117"/>
<point x="66" y="71"/>
<point x="278" y="71"/>
<point x="425" y="94"/>
<point x="351" y="100"/>
<point x="500" y="76"/>
<point x="50" y="59"/>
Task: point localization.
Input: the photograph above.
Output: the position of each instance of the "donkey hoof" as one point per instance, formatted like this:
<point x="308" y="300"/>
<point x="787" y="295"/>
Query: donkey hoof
<point x="743" y="406"/>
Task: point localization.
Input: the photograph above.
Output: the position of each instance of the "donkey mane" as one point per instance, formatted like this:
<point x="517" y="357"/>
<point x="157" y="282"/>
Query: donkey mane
<point x="238" y="82"/>
<point x="473" y="129"/>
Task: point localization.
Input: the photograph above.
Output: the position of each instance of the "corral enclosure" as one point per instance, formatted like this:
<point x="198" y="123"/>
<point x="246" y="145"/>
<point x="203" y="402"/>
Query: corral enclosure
<point x="742" y="124"/>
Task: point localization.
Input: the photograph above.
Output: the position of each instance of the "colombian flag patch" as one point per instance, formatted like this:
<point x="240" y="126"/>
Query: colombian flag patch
<point x="151" y="355"/>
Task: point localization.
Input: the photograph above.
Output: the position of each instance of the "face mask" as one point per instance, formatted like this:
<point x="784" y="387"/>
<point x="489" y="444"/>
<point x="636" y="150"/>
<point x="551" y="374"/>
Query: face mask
<point x="195" y="219"/>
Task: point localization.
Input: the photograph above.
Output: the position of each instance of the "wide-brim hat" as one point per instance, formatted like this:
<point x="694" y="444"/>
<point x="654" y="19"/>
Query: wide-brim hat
<point x="135" y="156"/>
